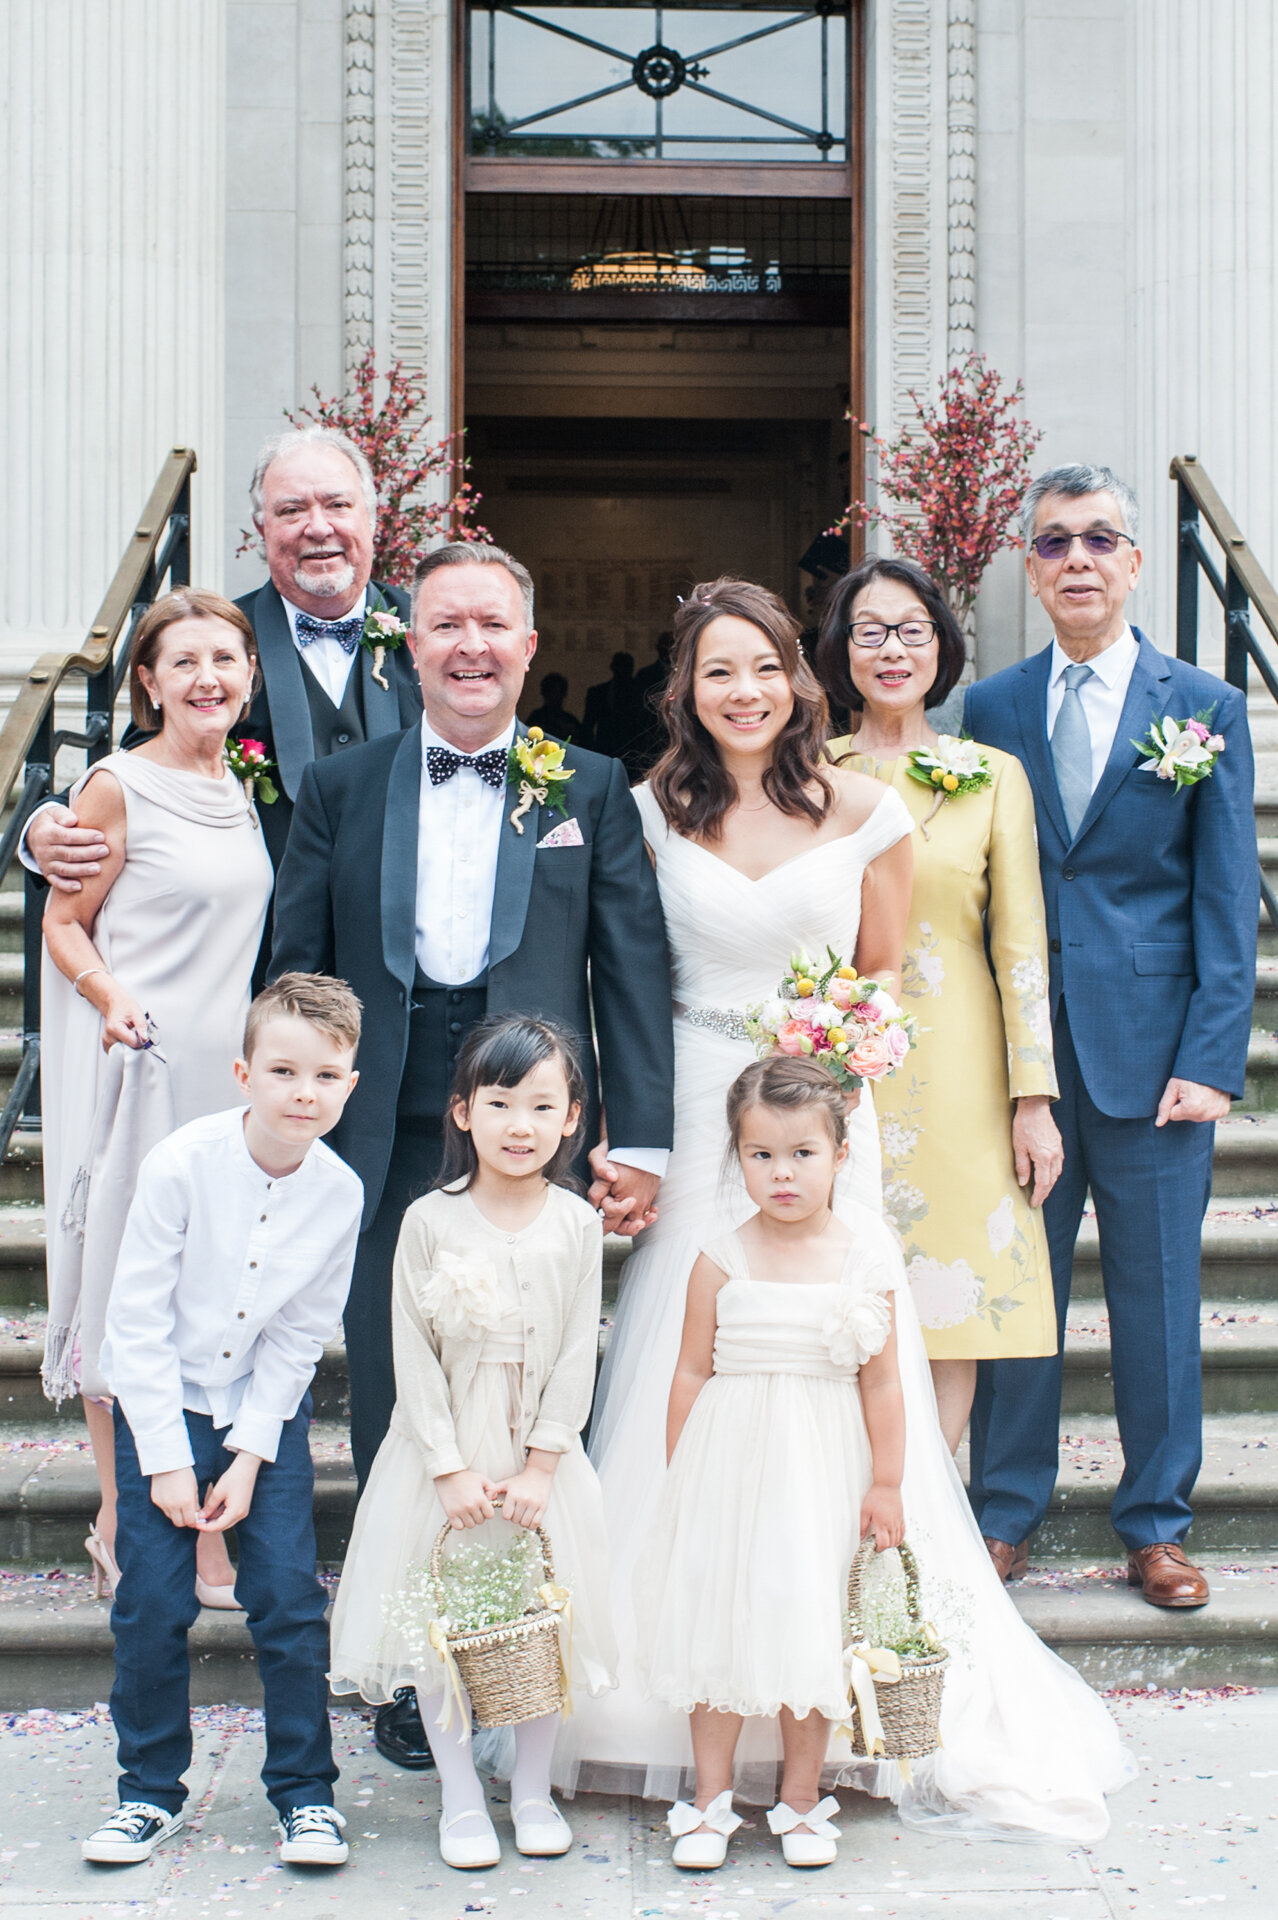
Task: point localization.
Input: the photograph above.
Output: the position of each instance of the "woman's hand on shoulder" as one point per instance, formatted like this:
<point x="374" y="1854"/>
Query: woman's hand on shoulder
<point x="466" y="1497"/>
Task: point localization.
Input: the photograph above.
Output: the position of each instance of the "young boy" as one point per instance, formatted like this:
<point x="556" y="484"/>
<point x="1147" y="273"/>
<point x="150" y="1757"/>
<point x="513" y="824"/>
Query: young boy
<point x="233" y="1272"/>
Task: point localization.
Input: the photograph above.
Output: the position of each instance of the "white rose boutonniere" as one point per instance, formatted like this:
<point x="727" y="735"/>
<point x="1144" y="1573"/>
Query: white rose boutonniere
<point x="383" y="633"/>
<point x="1185" y="751"/>
<point x="952" y="767"/>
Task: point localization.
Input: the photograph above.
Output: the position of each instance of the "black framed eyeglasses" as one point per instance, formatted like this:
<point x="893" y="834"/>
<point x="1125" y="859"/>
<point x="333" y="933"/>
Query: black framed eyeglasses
<point x="1054" y="546"/>
<point x="873" y="633"/>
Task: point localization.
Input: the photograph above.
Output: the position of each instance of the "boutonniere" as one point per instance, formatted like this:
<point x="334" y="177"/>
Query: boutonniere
<point x="383" y="633"/>
<point x="953" y="767"/>
<point x="536" y="766"/>
<point x="248" y="762"/>
<point x="1185" y="751"/>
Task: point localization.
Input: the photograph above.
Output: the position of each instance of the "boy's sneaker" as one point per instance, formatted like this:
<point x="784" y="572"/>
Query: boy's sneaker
<point x="132" y="1833"/>
<point x="312" y="1837"/>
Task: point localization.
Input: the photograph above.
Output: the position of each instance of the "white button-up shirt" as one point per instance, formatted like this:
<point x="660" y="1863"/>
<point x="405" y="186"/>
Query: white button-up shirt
<point x="327" y="658"/>
<point x="1102" y="695"/>
<point x="227" y="1286"/>
<point x="458" y="837"/>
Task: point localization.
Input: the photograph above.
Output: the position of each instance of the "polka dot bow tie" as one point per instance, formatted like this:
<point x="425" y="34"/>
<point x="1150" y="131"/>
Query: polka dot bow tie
<point x="347" y="633"/>
<point x="442" y="763"/>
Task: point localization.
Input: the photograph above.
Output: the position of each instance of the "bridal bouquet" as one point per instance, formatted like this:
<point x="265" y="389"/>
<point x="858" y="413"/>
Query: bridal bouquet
<point x="848" y="1025"/>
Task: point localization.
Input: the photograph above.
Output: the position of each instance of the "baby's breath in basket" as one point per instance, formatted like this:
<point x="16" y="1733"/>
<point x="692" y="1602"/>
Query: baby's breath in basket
<point x="895" y="1667"/>
<point x="496" y="1630"/>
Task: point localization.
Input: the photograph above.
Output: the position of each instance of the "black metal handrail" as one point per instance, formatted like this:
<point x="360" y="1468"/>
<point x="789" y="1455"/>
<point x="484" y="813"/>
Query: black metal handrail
<point x="159" y="550"/>
<point x="1242" y="587"/>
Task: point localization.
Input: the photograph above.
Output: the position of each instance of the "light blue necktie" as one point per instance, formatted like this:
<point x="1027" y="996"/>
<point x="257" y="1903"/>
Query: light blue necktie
<point x="1072" y="750"/>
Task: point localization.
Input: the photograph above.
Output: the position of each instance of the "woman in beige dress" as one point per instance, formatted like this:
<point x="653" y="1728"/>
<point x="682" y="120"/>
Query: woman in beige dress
<point x="145" y="987"/>
<point x="970" y="1149"/>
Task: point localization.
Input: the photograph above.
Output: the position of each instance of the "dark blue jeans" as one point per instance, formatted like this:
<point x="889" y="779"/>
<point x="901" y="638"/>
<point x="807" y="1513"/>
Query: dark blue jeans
<point x="155" y="1607"/>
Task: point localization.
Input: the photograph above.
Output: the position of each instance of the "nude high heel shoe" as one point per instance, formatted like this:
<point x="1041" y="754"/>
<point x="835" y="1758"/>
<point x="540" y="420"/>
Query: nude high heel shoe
<point x="106" y="1575"/>
<point x="223" y="1598"/>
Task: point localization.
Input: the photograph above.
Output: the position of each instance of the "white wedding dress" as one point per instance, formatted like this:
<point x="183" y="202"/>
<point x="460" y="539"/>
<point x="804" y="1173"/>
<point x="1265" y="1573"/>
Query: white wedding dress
<point x="1028" y="1748"/>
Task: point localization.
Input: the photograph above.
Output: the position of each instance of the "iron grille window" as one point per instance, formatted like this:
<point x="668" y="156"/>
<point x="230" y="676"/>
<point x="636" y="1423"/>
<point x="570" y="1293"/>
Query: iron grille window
<point x="660" y="83"/>
<point x="562" y="243"/>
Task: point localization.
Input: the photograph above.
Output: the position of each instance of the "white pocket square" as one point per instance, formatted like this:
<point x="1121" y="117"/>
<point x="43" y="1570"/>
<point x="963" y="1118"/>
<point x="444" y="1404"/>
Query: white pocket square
<point x="566" y="834"/>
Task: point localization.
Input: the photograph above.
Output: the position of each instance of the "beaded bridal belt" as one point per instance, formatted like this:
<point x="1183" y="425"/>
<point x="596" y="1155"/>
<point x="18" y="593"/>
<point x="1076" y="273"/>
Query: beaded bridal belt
<point x="721" y="1020"/>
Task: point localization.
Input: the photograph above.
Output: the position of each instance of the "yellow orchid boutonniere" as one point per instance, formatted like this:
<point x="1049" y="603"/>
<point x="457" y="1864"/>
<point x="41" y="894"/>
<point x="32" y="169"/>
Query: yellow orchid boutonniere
<point x="536" y="766"/>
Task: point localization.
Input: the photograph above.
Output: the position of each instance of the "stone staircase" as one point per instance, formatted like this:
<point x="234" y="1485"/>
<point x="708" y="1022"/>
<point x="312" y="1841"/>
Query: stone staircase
<point x="55" y="1645"/>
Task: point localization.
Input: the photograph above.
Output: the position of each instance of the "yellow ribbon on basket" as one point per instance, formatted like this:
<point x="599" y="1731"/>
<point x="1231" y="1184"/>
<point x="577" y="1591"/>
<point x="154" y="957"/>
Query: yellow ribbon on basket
<point x="454" y="1693"/>
<point x="559" y="1600"/>
<point x="861" y="1665"/>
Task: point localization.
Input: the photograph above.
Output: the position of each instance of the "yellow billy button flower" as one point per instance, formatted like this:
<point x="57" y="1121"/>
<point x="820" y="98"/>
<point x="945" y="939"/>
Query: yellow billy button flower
<point x="847" y="973"/>
<point x="535" y="734"/>
<point x="806" y="989"/>
<point x="937" y="776"/>
<point x="834" y="1035"/>
<point x="950" y="782"/>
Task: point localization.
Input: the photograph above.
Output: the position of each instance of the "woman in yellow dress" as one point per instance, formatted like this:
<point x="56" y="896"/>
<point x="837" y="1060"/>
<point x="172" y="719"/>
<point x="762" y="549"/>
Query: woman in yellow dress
<point x="970" y="1149"/>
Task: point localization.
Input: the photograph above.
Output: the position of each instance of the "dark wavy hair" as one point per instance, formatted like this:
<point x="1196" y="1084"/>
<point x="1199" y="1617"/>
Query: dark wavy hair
<point x="832" y="647"/>
<point x="500" y="1052"/>
<point x="692" y="786"/>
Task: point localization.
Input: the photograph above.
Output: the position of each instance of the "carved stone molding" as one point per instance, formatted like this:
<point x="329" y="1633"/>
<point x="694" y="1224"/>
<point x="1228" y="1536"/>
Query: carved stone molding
<point x="412" y="54"/>
<point x="910" y="170"/>
<point x="961" y="153"/>
<point x="358" y="172"/>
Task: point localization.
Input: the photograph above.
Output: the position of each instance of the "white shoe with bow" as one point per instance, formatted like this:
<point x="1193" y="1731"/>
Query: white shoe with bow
<point x="698" y="1851"/>
<point x="815" y="1846"/>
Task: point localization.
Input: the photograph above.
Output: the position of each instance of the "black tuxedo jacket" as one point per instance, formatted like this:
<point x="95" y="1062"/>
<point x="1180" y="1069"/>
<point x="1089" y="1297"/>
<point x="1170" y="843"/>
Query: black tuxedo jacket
<point x="576" y="931"/>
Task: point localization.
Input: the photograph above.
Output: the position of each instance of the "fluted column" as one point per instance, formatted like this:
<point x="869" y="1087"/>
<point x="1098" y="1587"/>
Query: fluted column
<point x="1202" y="340"/>
<point x="111" y="249"/>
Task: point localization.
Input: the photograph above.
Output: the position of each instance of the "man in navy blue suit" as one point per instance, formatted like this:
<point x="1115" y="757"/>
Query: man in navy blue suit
<point x="1152" y="899"/>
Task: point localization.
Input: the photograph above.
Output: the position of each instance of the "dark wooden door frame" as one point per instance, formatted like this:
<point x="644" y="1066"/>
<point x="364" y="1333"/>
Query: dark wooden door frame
<point x="569" y="176"/>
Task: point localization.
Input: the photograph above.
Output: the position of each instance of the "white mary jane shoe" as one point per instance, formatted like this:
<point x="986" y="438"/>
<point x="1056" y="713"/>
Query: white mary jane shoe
<point x="540" y="1829"/>
<point x="702" y="1852"/>
<point x="471" y="1850"/>
<point x="816" y="1847"/>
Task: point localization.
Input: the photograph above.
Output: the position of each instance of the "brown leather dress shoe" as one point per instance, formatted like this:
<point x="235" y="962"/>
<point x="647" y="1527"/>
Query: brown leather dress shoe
<point x="1165" y="1577"/>
<point x="1010" y="1562"/>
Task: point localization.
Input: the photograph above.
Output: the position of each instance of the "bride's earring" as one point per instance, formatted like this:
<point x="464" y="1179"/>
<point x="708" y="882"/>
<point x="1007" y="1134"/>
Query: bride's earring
<point x="155" y="701"/>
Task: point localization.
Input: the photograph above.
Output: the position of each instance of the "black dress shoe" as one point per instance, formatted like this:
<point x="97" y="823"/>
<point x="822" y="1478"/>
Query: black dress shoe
<point x="398" y="1733"/>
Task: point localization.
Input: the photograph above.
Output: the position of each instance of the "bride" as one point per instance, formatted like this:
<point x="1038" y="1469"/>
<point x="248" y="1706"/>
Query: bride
<point x="761" y="847"/>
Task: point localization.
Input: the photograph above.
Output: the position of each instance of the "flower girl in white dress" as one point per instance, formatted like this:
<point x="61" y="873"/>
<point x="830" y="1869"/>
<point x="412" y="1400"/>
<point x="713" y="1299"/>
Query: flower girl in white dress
<point x="786" y="1442"/>
<point x="496" y="1326"/>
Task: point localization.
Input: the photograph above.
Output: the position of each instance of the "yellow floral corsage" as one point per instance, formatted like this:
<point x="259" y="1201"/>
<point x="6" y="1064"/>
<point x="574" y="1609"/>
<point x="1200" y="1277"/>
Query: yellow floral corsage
<point x="536" y="766"/>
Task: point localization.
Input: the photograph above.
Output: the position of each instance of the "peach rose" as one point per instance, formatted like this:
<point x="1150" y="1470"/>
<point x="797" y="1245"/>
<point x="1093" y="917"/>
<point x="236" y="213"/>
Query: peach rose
<point x="871" y="1059"/>
<point x="839" y="994"/>
<point x="792" y="1036"/>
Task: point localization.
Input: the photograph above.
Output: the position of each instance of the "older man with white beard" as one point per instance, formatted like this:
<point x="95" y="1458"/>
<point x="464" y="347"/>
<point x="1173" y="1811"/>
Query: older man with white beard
<point x="314" y="504"/>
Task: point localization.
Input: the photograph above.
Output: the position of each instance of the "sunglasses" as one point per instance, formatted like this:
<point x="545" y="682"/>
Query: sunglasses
<point x="1054" y="546"/>
<point x="874" y="633"/>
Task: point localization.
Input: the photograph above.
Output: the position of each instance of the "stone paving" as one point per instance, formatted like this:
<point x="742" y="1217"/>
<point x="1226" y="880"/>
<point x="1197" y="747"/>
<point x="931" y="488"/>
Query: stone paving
<point x="1199" y="1829"/>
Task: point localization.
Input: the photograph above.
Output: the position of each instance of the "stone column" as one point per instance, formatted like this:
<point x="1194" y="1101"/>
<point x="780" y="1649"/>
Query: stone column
<point x="111" y="259"/>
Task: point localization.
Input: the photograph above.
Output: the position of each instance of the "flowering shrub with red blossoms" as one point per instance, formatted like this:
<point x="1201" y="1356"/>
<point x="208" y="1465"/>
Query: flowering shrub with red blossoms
<point x="951" y="482"/>
<point x="392" y="438"/>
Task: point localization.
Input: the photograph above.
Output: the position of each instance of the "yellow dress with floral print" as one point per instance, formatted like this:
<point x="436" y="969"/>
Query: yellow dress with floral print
<point x="975" y="1251"/>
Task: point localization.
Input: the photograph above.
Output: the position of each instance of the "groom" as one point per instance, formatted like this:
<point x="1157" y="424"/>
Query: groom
<point x="1152" y="908"/>
<point x="406" y="875"/>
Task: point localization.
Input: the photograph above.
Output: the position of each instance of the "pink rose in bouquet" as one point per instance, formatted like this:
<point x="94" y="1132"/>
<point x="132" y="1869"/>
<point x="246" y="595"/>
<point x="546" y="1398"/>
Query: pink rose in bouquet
<point x="898" y="1043"/>
<point x="794" y="1037"/>
<point x="872" y="1057"/>
<point x="839" y="994"/>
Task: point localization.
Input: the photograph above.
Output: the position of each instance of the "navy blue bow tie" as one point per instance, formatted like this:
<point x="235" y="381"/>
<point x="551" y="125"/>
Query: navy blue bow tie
<point x="442" y="763"/>
<point x="347" y="633"/>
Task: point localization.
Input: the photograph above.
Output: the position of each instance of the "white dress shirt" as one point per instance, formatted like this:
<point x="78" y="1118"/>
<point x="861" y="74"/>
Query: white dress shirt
<point x="327" y="658"/>
<point x="1102" y="695"/>
<point x="458" y="837"/>
<point x="227" y="1286"/>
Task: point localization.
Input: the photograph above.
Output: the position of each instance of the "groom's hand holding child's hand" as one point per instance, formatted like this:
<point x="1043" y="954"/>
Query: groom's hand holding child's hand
<point x="626" y="1196"/>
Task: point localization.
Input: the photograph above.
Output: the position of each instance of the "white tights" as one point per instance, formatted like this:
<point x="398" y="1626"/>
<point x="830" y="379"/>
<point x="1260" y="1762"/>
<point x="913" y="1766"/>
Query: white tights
<point x="461" y="1789"/>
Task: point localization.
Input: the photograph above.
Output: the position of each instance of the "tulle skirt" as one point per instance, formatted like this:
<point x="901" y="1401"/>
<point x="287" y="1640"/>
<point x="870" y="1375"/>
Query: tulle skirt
<point x="399" y="1517"/>
<point x="741" y="1585"/>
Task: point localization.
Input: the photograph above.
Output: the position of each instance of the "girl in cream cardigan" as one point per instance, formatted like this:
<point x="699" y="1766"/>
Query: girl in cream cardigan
<point x="496" y="1322"/>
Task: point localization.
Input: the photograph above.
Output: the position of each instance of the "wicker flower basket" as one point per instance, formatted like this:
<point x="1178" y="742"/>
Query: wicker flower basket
<point x="910" y="1710"/>
<point x="515" y="1671"/>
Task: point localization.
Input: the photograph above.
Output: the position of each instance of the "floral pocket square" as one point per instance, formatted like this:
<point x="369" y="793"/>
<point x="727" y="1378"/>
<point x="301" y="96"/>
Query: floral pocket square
<point x="567" y="834"/>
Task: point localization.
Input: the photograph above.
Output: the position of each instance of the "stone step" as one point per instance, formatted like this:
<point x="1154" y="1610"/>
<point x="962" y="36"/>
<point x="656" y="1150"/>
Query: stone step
<point x="48" y="1491"/>
<point x="56" y="1644"/>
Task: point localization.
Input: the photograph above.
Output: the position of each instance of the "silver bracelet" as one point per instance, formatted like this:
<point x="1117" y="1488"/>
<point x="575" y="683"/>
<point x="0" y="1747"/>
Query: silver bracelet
<point x="84" y="976"/>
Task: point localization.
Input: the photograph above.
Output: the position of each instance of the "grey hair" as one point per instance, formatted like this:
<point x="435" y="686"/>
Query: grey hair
<point x="293" y="437"/>
<point x="1074" y="482"/>
<point x="475" y="553"/>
